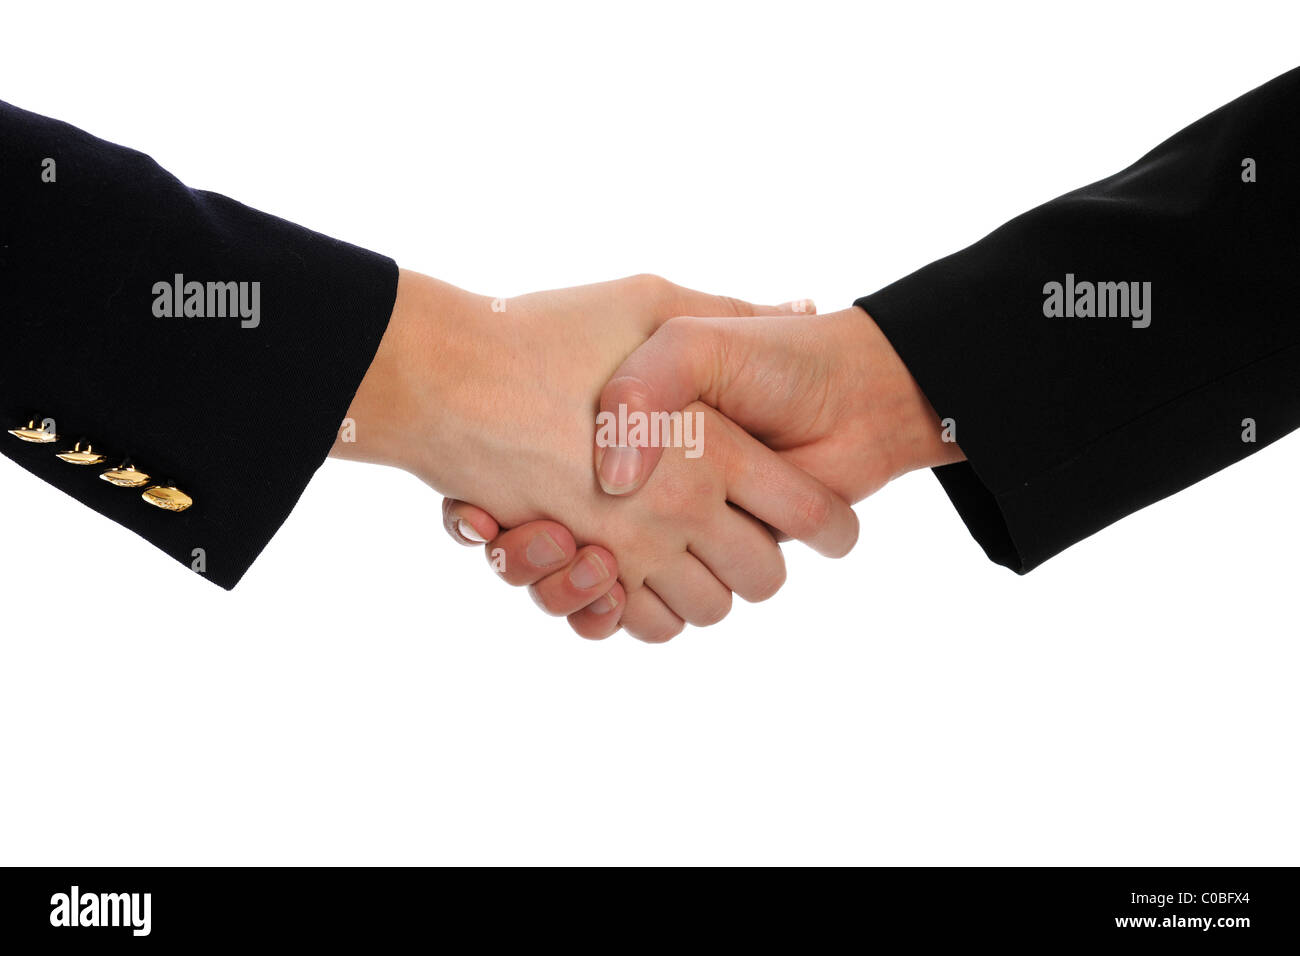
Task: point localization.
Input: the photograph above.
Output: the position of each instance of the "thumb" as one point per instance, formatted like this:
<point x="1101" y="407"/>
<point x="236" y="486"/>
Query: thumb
<point x="679" y="363"/>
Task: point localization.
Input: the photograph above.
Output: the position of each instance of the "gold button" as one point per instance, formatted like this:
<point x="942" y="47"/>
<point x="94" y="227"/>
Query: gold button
<point x="82" y="456"/>
<point x="33" y="432"/>
<point x="126" y="475"/>
<point x="167" y="497"/>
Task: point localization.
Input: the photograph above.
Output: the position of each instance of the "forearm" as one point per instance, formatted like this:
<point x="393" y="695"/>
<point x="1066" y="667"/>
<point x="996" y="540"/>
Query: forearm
<point x="1077" y="404"/>
<point x="396" y="417"/>
<point x="214" y="345"/>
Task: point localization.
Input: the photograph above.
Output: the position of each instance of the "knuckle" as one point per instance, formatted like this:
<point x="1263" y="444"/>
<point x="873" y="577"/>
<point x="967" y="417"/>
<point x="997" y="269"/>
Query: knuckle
<point x="850" y="538"/>
<point x="766" y="584"/>
<point x="588" y="629"/>
<point x="649" y="284"/>
<point x="812" y="515"/>
<point x="714" y="612"/>
<point x="736" y="307"/>
<point x="682" y="330"/>
<point x="686" y="494"/>
<point x="543" y="601"/>
<point x="661" y="633"/>
<point x="650" y="626"/>
<point x="625" y="390"/>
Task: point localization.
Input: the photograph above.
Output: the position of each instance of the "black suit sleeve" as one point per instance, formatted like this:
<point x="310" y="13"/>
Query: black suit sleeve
<point x="1071" y="419"/>
<point x="237" y="407"/>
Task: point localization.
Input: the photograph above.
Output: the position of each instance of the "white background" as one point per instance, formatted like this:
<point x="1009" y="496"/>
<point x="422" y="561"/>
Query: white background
<point x="371" y="693"/>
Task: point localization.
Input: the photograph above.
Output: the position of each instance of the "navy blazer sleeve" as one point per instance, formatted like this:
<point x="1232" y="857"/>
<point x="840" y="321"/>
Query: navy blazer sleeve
<point x="1075" y="407"/>
<point x="235" y="405"/>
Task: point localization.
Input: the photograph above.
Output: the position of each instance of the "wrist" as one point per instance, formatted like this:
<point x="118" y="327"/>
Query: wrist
<point x="402" y="409"/>
<point x="912" y="434"/>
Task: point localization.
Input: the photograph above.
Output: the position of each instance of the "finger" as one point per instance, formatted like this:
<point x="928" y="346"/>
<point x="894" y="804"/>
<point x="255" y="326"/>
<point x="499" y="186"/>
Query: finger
<point x="679" y="363"/>
<point x="527" y="554"/>
<point x="776" y="492"/>
<point x="468" y="524"/>
<point x="740" y="553"/>
<point x="589" y="575"/>
<point x="599" y="619"/>
<point x="648" y="619"/>
<point x="683" y="360"/>
<point x="691" y="591"/>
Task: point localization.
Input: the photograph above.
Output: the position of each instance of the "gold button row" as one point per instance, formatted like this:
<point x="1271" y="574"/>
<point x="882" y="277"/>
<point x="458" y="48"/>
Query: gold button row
<point x="126" y="475"/>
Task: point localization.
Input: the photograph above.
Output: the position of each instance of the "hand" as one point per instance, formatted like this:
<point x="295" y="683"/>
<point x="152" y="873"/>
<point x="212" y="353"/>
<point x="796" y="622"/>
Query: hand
<point x="827" y="392"/>
<point x="498" y="404"/>
<point x="530" y="560"/>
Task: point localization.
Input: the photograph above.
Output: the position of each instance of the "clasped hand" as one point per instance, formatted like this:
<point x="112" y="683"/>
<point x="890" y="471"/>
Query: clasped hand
<point x="794" y="415"/>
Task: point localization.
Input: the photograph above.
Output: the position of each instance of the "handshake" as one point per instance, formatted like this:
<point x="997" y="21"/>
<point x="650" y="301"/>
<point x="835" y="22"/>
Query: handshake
<point x="716" y="428"/>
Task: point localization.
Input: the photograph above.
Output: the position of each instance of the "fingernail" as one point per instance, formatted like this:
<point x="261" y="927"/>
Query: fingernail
<point x="467" y="532"/>
<point x="588" y="572"/>
<point x="800" y="305"/>
<point x="620" y="466"/>
<point x="603" y="604"/>
<point x="542" y="551"/>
